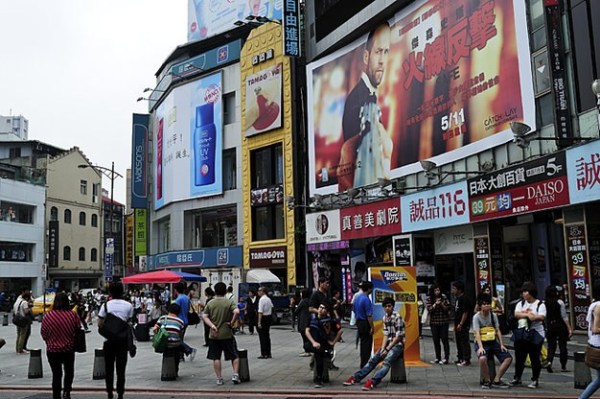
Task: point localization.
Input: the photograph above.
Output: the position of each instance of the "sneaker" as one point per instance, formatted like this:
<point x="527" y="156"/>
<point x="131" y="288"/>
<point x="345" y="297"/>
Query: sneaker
<point x="445" y="361"/>
<point x="436" y="361"/>
<point x="457" y="362"/>
<point x="368" y="385"/>
<point x="193" y="355"/>
<point x="235" y="378"/>
<point x="500" y="384"/>
<point x="318" y="384"/>
<point x="534" y="384"/>
<point x="349" y="381"/>
<point x="486" y="385"/>
<point x="220" y="381"/>
<point x="465" y="363"/>
<point x="515" y="381"/>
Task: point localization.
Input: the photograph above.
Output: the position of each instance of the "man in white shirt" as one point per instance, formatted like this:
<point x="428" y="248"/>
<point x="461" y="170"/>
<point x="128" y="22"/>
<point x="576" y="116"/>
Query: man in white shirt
<point x="265" y="309"/>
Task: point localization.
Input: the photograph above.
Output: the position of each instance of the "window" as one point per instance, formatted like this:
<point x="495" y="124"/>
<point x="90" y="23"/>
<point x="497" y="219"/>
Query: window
<point x="82" y="254"/>
<point x="229" y="169"/>
<point x="266" y="166"/>
<point x="68" y="216"/>
<point x="67" y="253"/>
<point x="215" y="227"/>
<point x="229" y="108"/>
<point x="164" y="227"/>
<point x="95" y="190"/>
<point x="54" y="213"/>
<point x="82" y="218"/>
<point x="267" y="222"/>
<point x="14" y="152"/>
<point x="83" y="187"/>
<point x="94" y="255"/>
<point x="94" y="220"/>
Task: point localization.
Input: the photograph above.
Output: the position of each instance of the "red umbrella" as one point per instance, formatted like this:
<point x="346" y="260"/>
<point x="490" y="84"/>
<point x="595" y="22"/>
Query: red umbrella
<point x="162" y="276"/>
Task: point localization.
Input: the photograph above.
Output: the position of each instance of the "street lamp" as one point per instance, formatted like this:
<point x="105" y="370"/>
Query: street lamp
<point x="112" y="175"/>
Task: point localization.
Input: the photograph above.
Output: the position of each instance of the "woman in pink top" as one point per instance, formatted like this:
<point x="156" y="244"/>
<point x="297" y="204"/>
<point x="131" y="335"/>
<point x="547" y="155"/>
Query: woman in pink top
<point x="58" y="330"/>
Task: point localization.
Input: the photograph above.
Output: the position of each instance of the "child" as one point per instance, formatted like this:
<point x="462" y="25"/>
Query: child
<point x="242" y="307"/>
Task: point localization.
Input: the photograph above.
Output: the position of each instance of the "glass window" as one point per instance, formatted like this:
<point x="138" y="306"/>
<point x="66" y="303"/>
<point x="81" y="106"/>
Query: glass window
<point x="545" y="110"/>
<point x="82" y="218"/>
<point x="67" y="253"/>
<point x="83" y="187"/>
<point x="68" y="216"/>
<point x="541" y="73"/>
<point x="82" y="254"/>
<point x="267" y="166"/>
<point x="94" y="255"/>
<point x="216" y="227"/>
<point x="229" y="108"/>
<point x="15" y="252"/>
<point x="229" y="169"/>
<point x="54" y="213"/>
<point x="164" y="227"/>
<point x="94" y="220"/>
<point x="267" y="222"/>
<point x="536" y="13"/>
<point x="95" y="190"/>
<point x="583" y="57"/>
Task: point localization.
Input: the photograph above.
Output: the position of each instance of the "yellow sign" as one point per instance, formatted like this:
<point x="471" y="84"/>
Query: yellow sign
<point x="140" y="232"/>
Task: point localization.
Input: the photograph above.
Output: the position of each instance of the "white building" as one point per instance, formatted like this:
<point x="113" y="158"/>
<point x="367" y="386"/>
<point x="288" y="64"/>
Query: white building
<point x="14" y="128"/>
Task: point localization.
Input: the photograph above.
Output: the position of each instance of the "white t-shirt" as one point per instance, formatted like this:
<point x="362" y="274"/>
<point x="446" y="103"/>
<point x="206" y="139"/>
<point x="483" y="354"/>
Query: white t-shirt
<point x="265" y="306"/>
<point x="120" y="308"/>
<point x="532" y="308"/>
<point x="20" y="306"/>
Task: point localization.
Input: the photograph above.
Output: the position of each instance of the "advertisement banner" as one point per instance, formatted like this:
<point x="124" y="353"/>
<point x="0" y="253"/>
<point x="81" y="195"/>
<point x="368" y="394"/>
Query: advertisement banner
<point x="188" y="140"/>
<point x="208" y="18"/>
<point x="578" y="273"/>
<point x="399" y="283"/>
<point x="441" y="81"/>
<point x="402" y="250"/>
<point x="263" y="101"/>
<point x="323" y="227"/>
<point x="440" y="207"/>
<point x="53" y="243"/>
<point x="141" y="237"/>
<point x="535" y="185"/>
<point x="272" y="257"/>
<point x="129" y="223"/>
<point x="583" y="164"/>
<point x="375" y="219"/>
<point x="453" y="240"/>
<point x="483" y="263"/>
<point x="109" y="258"/>
<point x="139" y="157"/>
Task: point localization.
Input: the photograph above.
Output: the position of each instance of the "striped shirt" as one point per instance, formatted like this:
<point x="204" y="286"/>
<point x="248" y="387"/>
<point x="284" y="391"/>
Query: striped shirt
<point x="58" y="330"/>
<point x="174" y="326"/>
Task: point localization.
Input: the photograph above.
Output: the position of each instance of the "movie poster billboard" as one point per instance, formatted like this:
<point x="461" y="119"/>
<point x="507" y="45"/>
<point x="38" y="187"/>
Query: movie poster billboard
<point x="208" y="18"/>
<point x="188" y="140"/>
<point x="263" y="100"/>
<point x="399" y="283"/>
<point x="439" y="81"/>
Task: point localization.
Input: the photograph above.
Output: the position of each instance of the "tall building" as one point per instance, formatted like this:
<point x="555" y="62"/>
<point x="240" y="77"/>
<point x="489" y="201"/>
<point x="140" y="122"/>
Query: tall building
<point x="14" y="128"/>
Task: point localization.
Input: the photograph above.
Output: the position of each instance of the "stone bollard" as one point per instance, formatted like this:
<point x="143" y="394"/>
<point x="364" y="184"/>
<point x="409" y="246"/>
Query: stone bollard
<point x="99" y="372"/>
<point x="35" y="364"/>
<point x="491" y="364"/>
<point x="2" y="342"/>
<point x="326" y="363"/>
<point x="5" y="319"/>
<point x="581" y="373"/>
<point x="244" y="370"/>
<point x="169" y="366"/>
<point x="398" y="373"/>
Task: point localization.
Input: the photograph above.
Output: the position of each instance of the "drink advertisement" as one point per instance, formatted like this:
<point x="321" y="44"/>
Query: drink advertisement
<point x="263" y="100"/>
<point x="441" y="80"/>
<point x="399" y="283"/>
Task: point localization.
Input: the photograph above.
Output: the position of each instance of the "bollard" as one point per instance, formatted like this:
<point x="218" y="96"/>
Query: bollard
<point x="398" y="374"/>
<point x="2" y="342"/>
<point x="326" y="363"/>
<point x="491" y="364"/>
<point x="35" y="364"/>
<point x="5" y="319"/>
<point x="169" y="367"/>
<point x="244" y="370"/>
<point x="581" y="373"/>
<point x="99" y="372"/>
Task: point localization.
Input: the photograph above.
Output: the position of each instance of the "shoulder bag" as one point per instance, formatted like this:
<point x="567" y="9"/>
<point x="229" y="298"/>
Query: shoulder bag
<point x="113" y="328"/>
<point x="193" y="317"/>
<point x="18" y="319"/>
<point x="80" y="346"/>
<point x="160" y="339"/>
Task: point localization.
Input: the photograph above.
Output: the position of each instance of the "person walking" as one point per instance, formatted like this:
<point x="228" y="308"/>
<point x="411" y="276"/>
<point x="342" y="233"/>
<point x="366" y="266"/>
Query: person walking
<point x="363" y="309"/>
<point x="265" y="309"/>
<point x="58" y="331"/>
<point x="438" y="307"/>
<point x="593" y="320"/>
<point x="220" y="315"/>
<point x="175" y="327"/>
<point x="184" y="303"/>
<point x="557" y="328"/>
<point x="392" y="347"/>
<point x="320" y="296"/>
<point x="303" y="315"/>
<point x="21" y="308"/>
<point x="251" y="307"/>
<point x="463" y="316"/>
<point x="322" y="333"/>
<point x="115" y="351"/>
<point x="530" y="313"/>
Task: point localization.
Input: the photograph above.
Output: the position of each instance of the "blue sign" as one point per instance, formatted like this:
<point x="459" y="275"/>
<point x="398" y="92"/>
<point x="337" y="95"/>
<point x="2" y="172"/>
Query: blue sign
<point x="205" y="258"/>
<point x="583" y="172"/>
<point x="139" y="156"/>
<point x="206" y="61"/>
<point x="109" y="255"/>
<point x="291" y="28"/>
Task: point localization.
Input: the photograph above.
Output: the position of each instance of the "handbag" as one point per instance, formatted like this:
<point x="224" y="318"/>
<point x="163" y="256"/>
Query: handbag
<point x="79" y="345"/>
<point x="193" y="317"/>
<point x="529" y="335"/>
<point x="592" y="357"/>
<point x="425" y="317"/>
<point x="160" y="340"/>
<point x="113" y="328"/>
<point x="18" y="319"/>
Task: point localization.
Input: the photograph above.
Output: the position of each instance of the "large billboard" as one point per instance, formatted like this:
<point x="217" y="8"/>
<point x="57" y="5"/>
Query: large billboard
<point x="263" y="100"/>
<point x="188" y="139"/>
<point x="139" y="156"/>
<point x="439" y="81"/>
<point x="208" y="18"/>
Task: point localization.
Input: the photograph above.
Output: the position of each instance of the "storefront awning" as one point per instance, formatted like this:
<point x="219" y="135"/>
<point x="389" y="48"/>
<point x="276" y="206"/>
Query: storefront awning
<point x="261" y="276"/>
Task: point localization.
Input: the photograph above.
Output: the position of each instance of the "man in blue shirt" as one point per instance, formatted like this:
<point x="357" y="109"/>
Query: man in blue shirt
<point x="363" y="310"/>
<point x="183" y="301"/>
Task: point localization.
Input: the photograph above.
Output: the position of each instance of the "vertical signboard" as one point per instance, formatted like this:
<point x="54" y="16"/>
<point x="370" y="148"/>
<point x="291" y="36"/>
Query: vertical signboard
<point x="578" y="274"/>
<point x="109" y="257"/>
<point x="583" y="165"/>
<point x="139" y="155"/>
<point x="53" y="243"/>
<point x="402" y="250"/>
<point x="140" y="232"/>
<point x="129" y="223"/>
<point x="291" y="28"/>
<point x="483" y="262"/>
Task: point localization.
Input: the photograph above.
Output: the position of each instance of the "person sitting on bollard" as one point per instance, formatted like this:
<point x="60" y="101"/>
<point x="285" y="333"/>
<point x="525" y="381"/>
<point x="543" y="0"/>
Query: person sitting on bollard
<point x="174" y="326"/>
<point x="322" y="333"/>
<point x="488" y="342"/>
<point x="391" y="349"/>
<point x="58" y="330"/>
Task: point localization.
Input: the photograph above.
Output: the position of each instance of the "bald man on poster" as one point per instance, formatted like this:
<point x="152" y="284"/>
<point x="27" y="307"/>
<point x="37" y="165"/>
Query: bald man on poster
<point x="367" y="149"/>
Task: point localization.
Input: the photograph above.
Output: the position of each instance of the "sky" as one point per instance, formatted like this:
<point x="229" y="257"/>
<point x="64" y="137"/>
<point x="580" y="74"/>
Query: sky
<point x="75" y="68"/>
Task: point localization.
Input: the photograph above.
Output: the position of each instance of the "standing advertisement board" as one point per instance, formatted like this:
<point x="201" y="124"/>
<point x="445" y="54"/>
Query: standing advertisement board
<point x="579" y="274"/>
<point x="443" y="80"/>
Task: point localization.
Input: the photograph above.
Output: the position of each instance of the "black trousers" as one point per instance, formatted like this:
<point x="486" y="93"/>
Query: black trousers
<point x="463" y="346"/>
<point x="264" y="336"/>
<point x="57" y="361"/>
<point x="522" y="349"/>
<point x="251" y="316"/>
<point x="320" y="355"/>
<point x="562" y="336"/>
<point x="366" y="341"/>
<point x="115" y="354"/>
<point x="439" y="333"/>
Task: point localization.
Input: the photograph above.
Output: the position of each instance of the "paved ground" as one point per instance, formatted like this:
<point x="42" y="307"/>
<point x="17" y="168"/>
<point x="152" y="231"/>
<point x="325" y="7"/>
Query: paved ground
<point x="286" y="375"/>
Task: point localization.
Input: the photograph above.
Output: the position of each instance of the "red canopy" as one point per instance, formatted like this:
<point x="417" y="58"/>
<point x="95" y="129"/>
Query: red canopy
<point x="162" y="276"/>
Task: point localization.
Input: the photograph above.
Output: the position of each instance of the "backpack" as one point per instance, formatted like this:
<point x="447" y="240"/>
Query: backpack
<point x="512" y="322"/>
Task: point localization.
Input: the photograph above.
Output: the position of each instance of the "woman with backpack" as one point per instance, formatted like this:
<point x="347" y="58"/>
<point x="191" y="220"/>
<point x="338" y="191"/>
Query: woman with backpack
<point x="557" y="328"/>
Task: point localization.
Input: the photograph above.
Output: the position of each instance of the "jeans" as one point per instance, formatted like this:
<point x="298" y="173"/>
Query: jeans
<point x="366" y="341"/>
<point x="522" y="349"/>
<point x="57" y="360"/>
<point x="391" y="357"/>
<point x="440" y="333"/>
<point x="593" y="387"/>
<point x="463" y="347"/>
<point x="115" y="353"/>
<point x="264" y="336"/>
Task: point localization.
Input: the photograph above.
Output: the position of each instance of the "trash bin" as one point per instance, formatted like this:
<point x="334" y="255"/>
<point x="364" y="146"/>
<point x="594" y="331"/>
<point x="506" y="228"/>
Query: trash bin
<point x="99" y="371"/>
<point x="244" y="370"/>
<point x="35" y="364"/>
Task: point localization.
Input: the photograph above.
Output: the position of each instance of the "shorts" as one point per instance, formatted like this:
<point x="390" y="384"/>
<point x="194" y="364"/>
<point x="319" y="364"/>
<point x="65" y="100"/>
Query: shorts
<point x="493" y="348"/>
<point x="218" y="346"/>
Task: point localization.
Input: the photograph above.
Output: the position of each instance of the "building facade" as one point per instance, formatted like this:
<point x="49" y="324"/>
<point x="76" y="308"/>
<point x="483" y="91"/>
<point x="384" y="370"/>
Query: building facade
<point x="14" y="127"/>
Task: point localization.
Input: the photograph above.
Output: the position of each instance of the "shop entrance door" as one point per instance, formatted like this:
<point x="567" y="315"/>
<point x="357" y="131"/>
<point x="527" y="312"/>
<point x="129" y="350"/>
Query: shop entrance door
<point x="457" y="267"/>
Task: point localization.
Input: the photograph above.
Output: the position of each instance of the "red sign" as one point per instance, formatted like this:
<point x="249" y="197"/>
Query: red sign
<point x="371" y="220"/>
